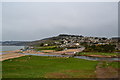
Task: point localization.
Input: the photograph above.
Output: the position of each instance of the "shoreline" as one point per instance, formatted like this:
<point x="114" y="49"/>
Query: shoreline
<point x="15" y="54"/>
<point x="10" y="55"/>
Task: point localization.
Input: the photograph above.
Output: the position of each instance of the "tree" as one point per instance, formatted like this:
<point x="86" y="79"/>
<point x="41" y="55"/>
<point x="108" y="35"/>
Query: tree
<point x="101" y="48"/>
<point x="42" y="44"/>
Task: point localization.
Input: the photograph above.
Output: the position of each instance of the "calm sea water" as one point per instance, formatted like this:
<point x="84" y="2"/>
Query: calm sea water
<point x="9" y="48"/>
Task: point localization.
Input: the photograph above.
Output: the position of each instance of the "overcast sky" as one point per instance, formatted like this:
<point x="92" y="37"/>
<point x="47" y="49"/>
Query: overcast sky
<point x="0" y="21"/>
<point x="34" y="21"/>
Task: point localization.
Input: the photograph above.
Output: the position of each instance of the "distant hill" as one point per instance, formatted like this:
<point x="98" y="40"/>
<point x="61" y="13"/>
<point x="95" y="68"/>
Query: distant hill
<point x="64" y="38"/>
<point x="15" y="43"/>
<point x="61" y="39"/>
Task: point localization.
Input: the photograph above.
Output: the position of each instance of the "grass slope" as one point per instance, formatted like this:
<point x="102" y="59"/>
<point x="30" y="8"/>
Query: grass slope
<point x="48" y="67"/>
<point x="98" y="53"/>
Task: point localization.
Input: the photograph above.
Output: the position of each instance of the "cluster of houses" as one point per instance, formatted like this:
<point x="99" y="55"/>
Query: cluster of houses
<point x="75" y="40"/>
<point x="64" y="40"/>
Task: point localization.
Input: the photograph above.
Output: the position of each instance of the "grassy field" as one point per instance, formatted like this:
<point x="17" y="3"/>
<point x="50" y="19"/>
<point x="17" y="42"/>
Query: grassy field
<point x="115" y="65"/>
<point x="98" y="53"/>
<point x="48" y="67"/>
<point x="48" y="48"/>
<point x="51" y="67"/>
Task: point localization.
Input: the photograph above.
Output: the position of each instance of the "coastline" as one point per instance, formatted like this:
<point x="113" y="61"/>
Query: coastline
<point x="10" y="55"/>
<point x="16" y="54"/>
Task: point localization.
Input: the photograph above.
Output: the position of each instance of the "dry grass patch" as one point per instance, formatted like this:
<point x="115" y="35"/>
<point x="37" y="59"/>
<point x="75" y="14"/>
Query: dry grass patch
<point x="56" y="75"/>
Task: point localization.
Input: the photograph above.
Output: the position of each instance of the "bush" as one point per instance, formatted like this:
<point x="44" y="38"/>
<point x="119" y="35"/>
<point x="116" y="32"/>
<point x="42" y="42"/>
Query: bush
<point x="59" y="49"/>
<point x="100" y="48"/>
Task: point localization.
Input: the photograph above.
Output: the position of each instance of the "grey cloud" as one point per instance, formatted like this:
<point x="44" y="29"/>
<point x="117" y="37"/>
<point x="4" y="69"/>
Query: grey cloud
<point x="30" y="21"/>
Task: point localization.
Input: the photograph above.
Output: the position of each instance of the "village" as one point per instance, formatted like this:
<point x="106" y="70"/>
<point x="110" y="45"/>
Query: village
<point x="75" y="41"/>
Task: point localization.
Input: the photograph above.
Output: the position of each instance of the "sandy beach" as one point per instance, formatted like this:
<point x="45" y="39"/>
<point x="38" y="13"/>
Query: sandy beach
<point x="15" y="54"/>
<point x="10" y="54"/>
<point x="68" y="51"/>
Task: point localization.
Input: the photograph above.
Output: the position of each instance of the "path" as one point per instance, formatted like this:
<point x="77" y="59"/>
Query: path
<point x="108" y="72"/>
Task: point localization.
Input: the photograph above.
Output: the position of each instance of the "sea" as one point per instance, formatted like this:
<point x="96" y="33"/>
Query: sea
<point x="9" y="48"/>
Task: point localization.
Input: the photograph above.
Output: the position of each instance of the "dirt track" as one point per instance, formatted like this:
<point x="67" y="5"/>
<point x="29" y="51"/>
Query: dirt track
<point x="108" y="72"/>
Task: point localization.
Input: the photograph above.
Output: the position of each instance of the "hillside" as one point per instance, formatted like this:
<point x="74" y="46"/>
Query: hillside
<point x="65" y="39"/>
<point x="15" y="43"/>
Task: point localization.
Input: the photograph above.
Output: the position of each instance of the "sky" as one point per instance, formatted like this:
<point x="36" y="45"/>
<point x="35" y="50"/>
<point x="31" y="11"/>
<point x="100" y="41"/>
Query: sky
<point x="38" y="20"/>
<point x="60" y="0"/>
<point x="0" y="21"/>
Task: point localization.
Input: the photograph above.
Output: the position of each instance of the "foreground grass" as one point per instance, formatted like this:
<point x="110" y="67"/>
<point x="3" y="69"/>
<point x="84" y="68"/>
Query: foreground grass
<point x="106" y="64"/>
<point x="57" y="67"/>
<point x="48" y="67"/>
<point x="98" y="53"/>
